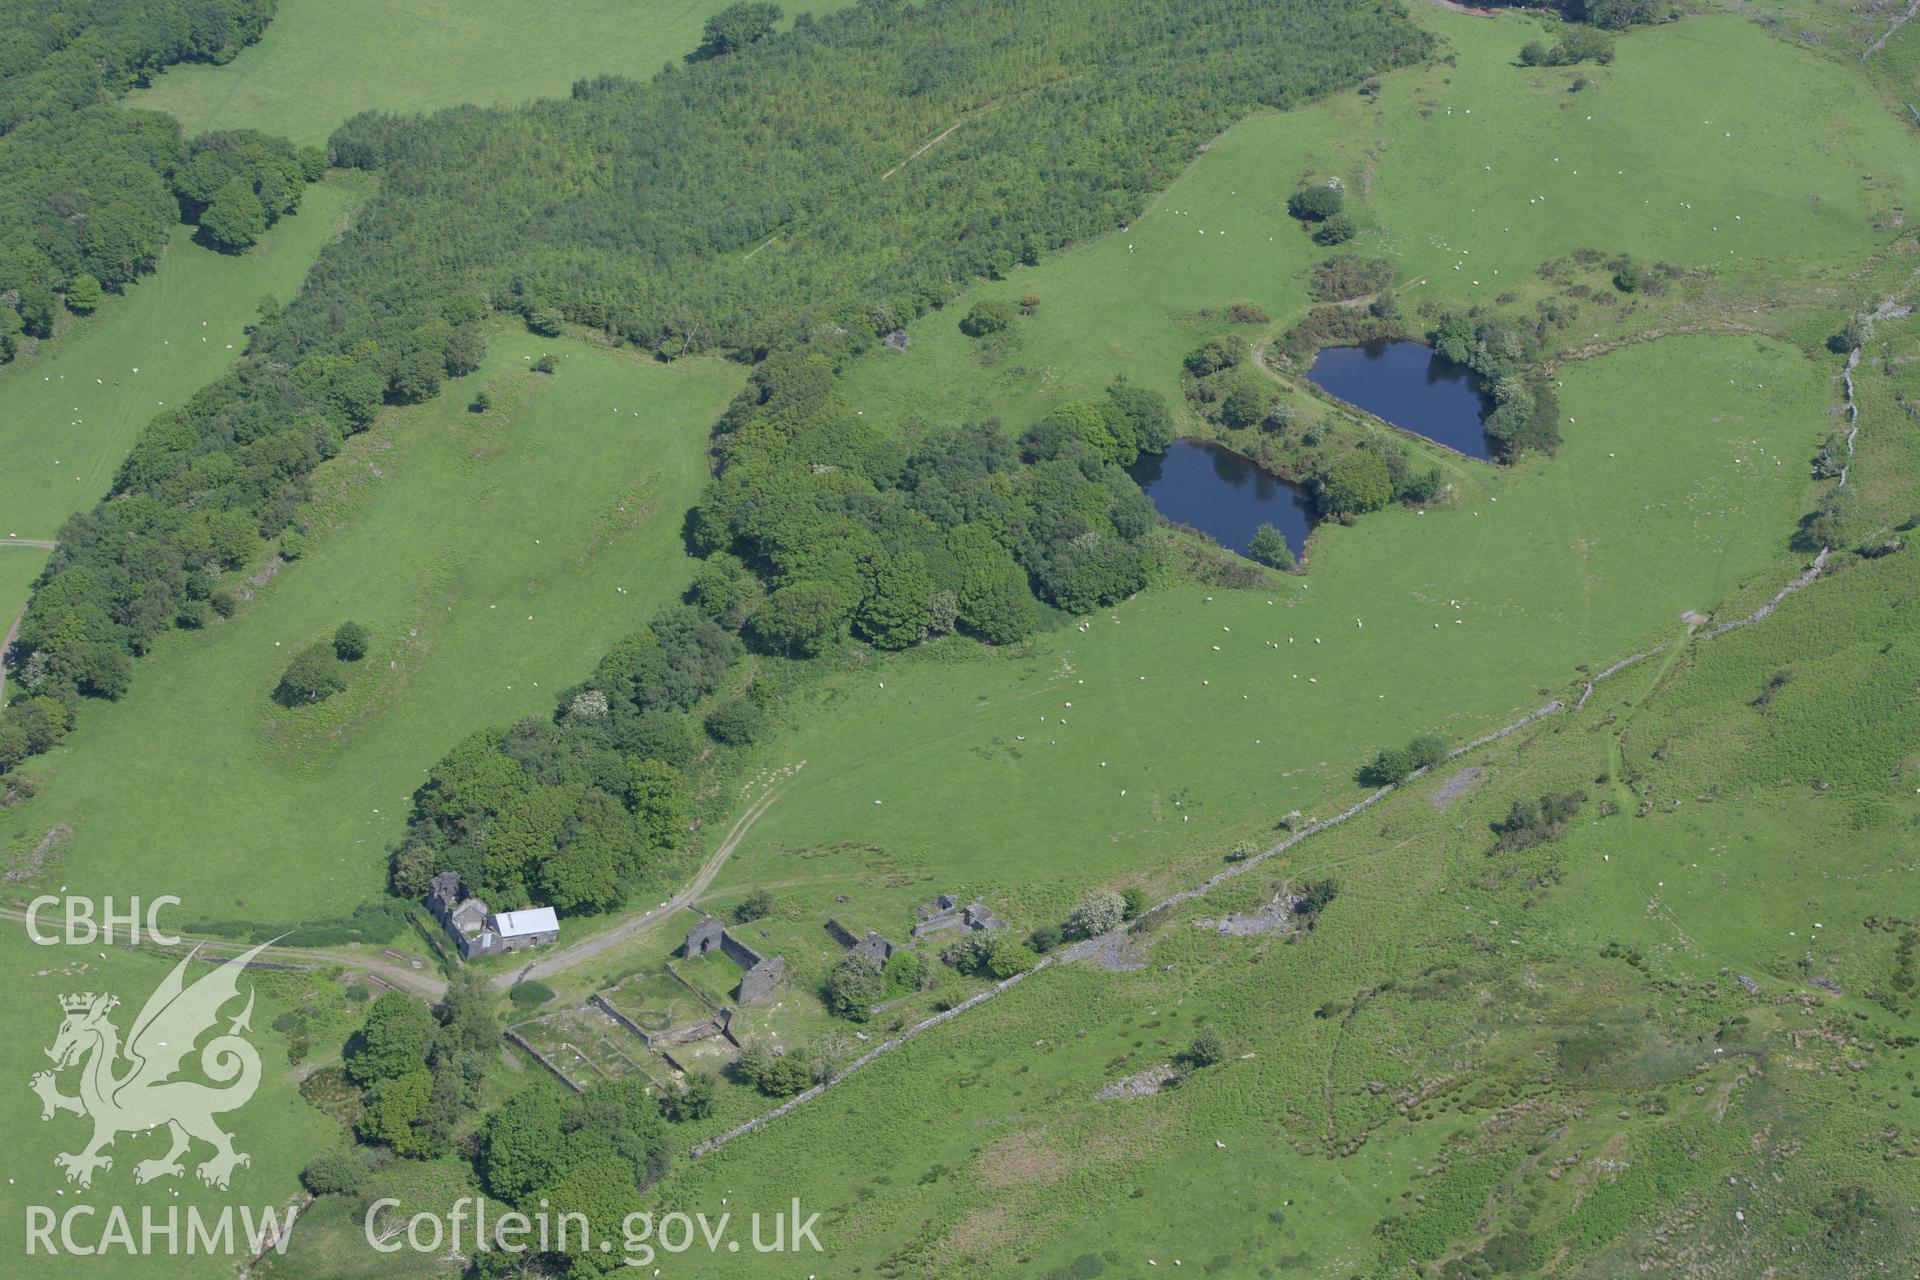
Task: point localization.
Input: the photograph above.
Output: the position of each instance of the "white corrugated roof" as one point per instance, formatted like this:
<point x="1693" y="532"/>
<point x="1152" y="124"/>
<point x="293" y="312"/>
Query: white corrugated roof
<point x="515" y="924"/>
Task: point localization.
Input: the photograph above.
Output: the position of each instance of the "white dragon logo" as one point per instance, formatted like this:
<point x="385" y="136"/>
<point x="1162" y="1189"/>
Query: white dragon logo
<point x="146" y="1096"/>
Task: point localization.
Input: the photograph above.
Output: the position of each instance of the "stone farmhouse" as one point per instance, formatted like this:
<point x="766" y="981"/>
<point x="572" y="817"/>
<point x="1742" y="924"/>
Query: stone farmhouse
<point x="762" y="974"/>
<point x="477" y="931"/>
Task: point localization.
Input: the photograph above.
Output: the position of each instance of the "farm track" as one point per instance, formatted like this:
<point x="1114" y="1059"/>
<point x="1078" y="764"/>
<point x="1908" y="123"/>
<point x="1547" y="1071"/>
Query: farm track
<point x="412" y="981"/>
<point x="586" y="949"/>
<point x="429" y="986"/>
<point x="13" y="628"/>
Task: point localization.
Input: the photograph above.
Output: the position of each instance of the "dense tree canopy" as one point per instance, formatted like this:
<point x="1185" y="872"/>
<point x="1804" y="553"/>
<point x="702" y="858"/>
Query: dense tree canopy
<point x="735" y="27"/>
<point x="629" y="207"/>
<point x="850" y="535"/>
<point x="85" y="186"/>
<point x="566" y="811"/>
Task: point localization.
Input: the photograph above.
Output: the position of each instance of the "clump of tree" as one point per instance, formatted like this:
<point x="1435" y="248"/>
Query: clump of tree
<point x="1099" y="912"/>
<point x="350" y="641"/>
<point x="859" y="981"/>
<point x="1340" y="327"/>
<point x="1394" y="764"/>
<point x="337" y="1173"/>
<point x="989" y="954"/>
<point x="33" y="725"/>
<point x="1526" y="412"/>
<point x="1335" y="230"/>
<point x="1313" y="898"/>
<point x="1355" y="485"/>
<point x="1222" y="386"/>
<point x="420" y="1068"/>
<point x="1534" y="819"/>
<point x="736" y="721"/>
<point x="1577" y="45"/>
<point x="568" y="810"/>
<point x="852" y="533"/>
<point x="693" y="1100"/>
<point x="1322" y="210"/>
<point x="1206" y="1048"/>
<point x="314" y="675"/>
<point x="83" y="294"/>
<point x="987" y="317"/>
<point x="594" y="1152"/>
<point x="1215" y="355"/>
<point x="1633" y="276"/>
<point x="237" y="184"/>
<point x="1269" y="547"/>
<point x="1316" y="204"/>
<point x="757" y="905"/>
<point x="776" y="1074"/>
<point x="1376" y="472"/>
<point x="1613" y="15"/>
<point x="529" y="995"/>
<point x="1829" y="524"/>
<point x="1849" y="336"/>
<point x="735" y="27"/>
<point x="854" y="986"/>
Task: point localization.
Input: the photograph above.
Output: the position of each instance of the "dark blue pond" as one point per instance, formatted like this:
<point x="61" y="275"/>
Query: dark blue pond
<point x="1411" y="386"/>
<point x="1222" y="494"/>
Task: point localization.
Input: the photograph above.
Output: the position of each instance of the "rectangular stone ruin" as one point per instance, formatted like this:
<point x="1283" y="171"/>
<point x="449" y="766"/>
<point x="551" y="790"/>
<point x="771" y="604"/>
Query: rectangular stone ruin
<point x="703" y="937"/>
<point x="945" y="912"/>
<point x="875" y="945"/>
<point x="762" y="974"/>
<point x="757" y="984"/>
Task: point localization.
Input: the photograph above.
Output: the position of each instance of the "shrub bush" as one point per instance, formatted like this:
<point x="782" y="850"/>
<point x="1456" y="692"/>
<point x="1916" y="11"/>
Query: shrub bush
<point x="529" y="995"/>
<point x="1316" y="204"/>
<point x="337" y="1173"/>
<point x="987" y="316"/>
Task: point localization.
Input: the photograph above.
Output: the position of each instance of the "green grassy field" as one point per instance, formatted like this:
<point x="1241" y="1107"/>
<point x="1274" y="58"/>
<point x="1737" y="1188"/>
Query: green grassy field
<point x="1659" y="1042"/>
<point x="321" y="61"/>
<point x="277" y="1128"/>
<point x="73" y="410"/>
<point x="19" y="566"/>
<point x="1784" y="199"/>
<point x="1683" y="472"/>
<point x="1606" y="1047"/>
<point x="1423" y="1060"/>
<point x="1217" y="711"/>
<point x="489" y="554"/>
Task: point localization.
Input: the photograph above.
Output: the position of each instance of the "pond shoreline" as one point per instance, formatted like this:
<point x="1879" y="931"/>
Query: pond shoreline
<point x="1397" y="381"/>
<point x="1224" y="494"/>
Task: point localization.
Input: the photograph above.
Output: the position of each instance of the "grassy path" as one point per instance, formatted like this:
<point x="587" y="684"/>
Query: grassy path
<point x="13" y="628"/>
